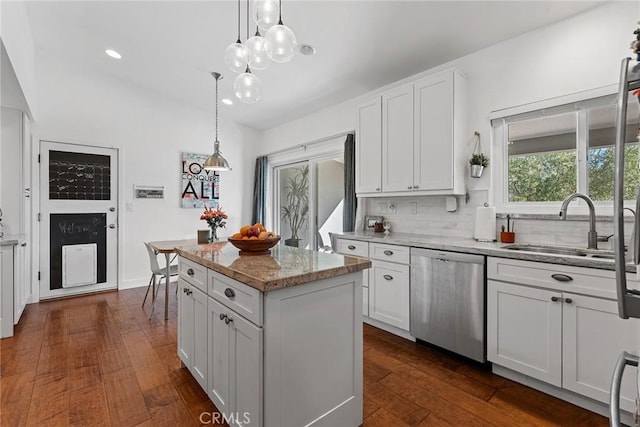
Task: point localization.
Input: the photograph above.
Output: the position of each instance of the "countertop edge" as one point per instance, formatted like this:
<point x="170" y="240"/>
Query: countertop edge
<point x="12" y="240"/>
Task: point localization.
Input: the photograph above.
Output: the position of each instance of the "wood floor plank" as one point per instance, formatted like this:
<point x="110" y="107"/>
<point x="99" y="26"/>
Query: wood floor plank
<point x="125" y="399"/>
<point x="49" y="401"/>
<point x="88" y="407"/>
<point x="114" y="360"/>
<point x="383" y="418"/>
<point x="15" y="396"/>
<point x="405" y="410"/>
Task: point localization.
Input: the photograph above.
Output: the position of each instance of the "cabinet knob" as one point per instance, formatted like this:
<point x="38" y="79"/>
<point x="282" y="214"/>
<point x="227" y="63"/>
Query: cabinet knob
<point x="223" y="316"/>
<point x="388" y="277"/>
<point x="184" y="290"/>
<point x="388" y="252"/>
<point x="555" y="299"/>
<point x="190" y="272"/>
<point x="415" y="186"/>
<point x="409" y="187"/>
<point x="229" y="293"/>
<point x="568" y="300"/>
<point x="562" y="277"/>
<point x="351" y="247"/>
<point x="228" y="320"/>
<point x="189" y="291"/>
<point x="377" y="189"/>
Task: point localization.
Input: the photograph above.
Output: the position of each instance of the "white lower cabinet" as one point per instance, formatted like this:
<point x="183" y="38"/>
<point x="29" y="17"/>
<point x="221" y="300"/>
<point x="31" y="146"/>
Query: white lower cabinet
<point x="6" y="291"/>
<point x="192" y="330"/>
<point x="235" y="365"/>
<point x="389" y="293"/>
<point x="546" y="330"/>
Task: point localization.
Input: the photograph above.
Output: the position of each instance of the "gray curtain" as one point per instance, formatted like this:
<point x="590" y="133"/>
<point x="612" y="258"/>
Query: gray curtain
<point x="260" y="191"/>
<point x="350" y="201"/>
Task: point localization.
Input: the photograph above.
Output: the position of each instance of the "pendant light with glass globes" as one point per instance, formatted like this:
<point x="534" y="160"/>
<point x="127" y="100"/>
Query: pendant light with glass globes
<point x="257" y="54"/>
<point x="216" y="162"/>
<point x="266" y="13"/>
<point x="280" y="41"/>
<point x="236" y="54"/>
<point x="247" y="86"/>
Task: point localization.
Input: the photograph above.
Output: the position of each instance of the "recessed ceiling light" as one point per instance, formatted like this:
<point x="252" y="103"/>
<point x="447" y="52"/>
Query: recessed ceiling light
<point x="226" y="101"/>
<point x="112" y="53"/>
<point x="306" y="49"/>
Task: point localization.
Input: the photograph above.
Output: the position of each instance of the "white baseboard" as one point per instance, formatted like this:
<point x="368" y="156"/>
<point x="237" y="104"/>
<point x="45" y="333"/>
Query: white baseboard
<point x="139" y="283"/>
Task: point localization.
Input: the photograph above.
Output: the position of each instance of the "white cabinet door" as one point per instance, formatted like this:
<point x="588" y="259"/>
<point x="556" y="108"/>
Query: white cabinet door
<point x="524" y="330"/>
<point x="20" y="285"/>
<point x="434" y="139"/>
<point x="397" y="139"/>
<point x="365" y="302"/>
<point x="200" y="337"/>
<point x="369" y="146"/>
<point x="246" y="370"/>
<point x="219" y="386"/>
<point x="185" y="323"/>
<point x="593" y="338"/>
<point x="389" y="294"/>
<point x="6" y="291"/>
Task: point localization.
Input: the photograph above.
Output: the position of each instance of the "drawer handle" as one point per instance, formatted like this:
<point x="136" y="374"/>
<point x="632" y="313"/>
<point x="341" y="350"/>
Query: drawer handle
<point x="388" y="252"/>
<point x="190" y="272"/>
<point x="223" y="316"/>
<point x="229" y="293"/>
<point x="189" y="292"/>
<point x="228" y="320"/>
<point x="351" y="247"/>
<point x="388" y="277"/>
<point x="567" y="300"/>
<point x="562" y="277"/>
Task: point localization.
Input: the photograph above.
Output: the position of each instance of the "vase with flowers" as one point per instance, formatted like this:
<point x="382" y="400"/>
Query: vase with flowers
<point x="216" y="218"/>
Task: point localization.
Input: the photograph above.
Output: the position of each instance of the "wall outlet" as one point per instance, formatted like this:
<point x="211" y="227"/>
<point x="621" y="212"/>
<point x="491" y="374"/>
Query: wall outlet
<point x="392" y="208"/>
<point x="381" y="207"/>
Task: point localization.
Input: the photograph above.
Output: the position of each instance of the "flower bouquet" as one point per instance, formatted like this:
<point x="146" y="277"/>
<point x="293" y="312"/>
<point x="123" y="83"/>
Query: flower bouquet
<point x="215" y="219"/>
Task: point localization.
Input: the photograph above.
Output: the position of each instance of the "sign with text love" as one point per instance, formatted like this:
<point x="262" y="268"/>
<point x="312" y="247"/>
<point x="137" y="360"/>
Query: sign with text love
<point x="199" y="187"/>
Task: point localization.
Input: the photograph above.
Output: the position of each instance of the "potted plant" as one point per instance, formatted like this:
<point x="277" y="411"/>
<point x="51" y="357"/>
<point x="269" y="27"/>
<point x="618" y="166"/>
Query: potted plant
<point x="295" y="210"/>
<point x="478" y="162"/>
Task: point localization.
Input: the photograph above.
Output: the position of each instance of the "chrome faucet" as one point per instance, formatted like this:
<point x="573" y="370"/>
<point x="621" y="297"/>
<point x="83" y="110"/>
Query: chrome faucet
<point x="592" y="237"/>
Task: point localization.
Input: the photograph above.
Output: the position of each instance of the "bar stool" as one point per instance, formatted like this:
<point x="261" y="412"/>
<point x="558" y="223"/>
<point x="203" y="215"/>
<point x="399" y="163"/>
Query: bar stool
<point x="156" y="271"/>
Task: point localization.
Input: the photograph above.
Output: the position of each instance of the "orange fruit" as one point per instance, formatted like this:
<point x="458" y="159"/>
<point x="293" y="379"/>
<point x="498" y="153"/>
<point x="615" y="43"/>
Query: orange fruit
<point x="260" y="226"/>
<point x="237" y="236"/>
<point x="244" y="230"/>
<point x="253" y="238"/>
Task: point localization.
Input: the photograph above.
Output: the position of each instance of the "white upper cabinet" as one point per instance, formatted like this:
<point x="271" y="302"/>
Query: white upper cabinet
<point x="369" y="146"/>
<point x="397" y="139"/>
<point x="417" y="146"/>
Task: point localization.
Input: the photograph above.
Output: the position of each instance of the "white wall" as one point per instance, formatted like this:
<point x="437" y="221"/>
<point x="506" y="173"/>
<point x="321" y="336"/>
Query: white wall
<point x="16" y="37"/>
<point x="577" y="54"/>
<point x="84" y="106"/>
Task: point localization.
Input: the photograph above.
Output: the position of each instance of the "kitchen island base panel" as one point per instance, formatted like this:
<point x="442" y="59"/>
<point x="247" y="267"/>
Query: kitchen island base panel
<point x="313" y="354"/>
<point x="391" y="329"/>
<point x="567" y="396"/>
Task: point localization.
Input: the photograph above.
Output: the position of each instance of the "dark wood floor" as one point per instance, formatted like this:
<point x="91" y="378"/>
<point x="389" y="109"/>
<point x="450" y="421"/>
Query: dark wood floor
<point x="98" y="360"/>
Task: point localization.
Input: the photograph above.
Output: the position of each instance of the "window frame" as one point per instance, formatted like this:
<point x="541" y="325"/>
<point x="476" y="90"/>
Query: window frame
<point x="499" y="136"/>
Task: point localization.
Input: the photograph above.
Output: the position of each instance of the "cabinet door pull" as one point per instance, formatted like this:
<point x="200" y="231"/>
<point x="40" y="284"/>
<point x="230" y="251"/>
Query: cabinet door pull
<point x="223" y="316"/>
<point x="409" y="187"/>
<point x="351" y="247"/>
<point x="562" y="277"/>
<point x="555" y="299"/>
<point x="190" y="272"/>
<point x="568" y="300"/>
<point x="189" y="292"/>
<point x="229" y="293"/>
<point x="228" y="320"/>
<point x="388" y="252"/>
<point x="415" y="186"/>
<point x="388" y="277"/>
<point x="377" y="189"/>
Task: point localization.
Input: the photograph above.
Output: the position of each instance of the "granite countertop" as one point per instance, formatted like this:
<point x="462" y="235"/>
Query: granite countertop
<point x="285" y="267"/>
<point x="469" y="245"/>
<point x="12" y="239"/>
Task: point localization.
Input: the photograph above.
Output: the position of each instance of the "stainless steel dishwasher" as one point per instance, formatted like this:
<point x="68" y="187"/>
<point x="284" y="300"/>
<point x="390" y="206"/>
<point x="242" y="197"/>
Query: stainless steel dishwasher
<point x="448" y="301"/>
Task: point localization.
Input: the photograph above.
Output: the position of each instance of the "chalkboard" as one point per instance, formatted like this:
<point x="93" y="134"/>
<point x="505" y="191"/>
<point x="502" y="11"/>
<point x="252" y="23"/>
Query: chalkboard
<point x="74" y="229"/>
<point x="79" y="176"/>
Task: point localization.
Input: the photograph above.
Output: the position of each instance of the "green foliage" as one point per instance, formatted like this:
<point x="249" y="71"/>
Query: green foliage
<point x="296" y="209"/>
<point x="479" y="159"/>
<point x="551" y="176"/>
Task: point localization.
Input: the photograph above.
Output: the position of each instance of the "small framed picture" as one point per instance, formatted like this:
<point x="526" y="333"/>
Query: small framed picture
<point x="370" y="221"/>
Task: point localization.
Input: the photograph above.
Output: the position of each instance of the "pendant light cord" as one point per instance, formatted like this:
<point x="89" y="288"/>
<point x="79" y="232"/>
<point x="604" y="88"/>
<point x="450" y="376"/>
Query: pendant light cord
<point x="247" y="19"/>
<point x="239" y="41"/>
<point x="217" y="78"/>
<point x="280" y="12"/>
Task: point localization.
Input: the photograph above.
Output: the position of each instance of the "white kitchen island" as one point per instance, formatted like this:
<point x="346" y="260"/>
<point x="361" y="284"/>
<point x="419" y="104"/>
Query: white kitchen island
<point x="275" y="340"/>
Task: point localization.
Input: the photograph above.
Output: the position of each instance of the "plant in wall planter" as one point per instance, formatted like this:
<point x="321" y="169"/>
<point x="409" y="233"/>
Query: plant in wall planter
<point x="478" y="160"/>
<point x="296" y="208"/>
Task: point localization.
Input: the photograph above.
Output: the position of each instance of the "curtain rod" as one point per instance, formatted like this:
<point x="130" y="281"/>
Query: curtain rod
<point x="306" y="144"/>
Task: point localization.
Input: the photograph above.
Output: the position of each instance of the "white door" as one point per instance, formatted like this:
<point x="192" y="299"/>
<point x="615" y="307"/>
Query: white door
<point x="397" y="139"/>
<point x="524" y="330"/>
<point x="78" y="219"/>
<point x="389" y="294"/>
<point x="369" y="146"/>
<point x="593" y="338"/>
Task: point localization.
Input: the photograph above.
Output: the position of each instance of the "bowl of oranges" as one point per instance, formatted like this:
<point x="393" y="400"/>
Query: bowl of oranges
<point x="254" y="240"/>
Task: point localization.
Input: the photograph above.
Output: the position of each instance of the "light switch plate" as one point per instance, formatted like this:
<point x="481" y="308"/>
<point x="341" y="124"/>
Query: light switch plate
<point x="129" y="207"/>
<point x="381" y="208"/>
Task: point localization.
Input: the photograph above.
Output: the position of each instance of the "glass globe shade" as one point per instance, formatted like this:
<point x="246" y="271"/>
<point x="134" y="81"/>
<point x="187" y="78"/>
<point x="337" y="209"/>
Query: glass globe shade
<point x="265" y="13"/>
<point x="280" y="43"/>
<point x="258" y="58"/>
<point x="236" y="57"/>
<point x="247" y="87"/>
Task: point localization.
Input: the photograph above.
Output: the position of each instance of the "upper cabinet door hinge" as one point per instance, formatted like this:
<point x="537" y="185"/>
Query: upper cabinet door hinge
<point x="38" y="216"/>
<point x="38" y="158"/>
<point x="38" y="275"/>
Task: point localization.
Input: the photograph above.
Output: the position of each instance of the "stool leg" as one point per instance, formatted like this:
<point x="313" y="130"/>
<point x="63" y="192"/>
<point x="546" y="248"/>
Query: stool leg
<point x="148" y="287"/>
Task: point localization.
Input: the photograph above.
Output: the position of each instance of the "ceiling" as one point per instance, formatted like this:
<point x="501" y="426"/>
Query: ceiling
<point x="172" y="46"/>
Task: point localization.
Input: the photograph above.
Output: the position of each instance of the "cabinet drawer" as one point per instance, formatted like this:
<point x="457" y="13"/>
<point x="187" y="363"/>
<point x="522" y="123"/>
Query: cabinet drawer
<point x="243" y="299"/>
<point x="391" y="253"/>
<point x="193" y="273"/>
<point x="353" y="247"/>
<point x="563" y="278"/>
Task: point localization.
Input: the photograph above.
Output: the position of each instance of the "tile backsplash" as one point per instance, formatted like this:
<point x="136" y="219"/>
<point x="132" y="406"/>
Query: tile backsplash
<point x="428" y="215"/>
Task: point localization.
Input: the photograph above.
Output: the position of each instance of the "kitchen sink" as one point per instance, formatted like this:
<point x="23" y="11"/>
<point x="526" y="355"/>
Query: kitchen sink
<point x="562" y="250"/>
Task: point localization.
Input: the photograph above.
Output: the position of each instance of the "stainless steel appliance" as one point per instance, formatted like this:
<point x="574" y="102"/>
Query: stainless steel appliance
<point x="628" y="299"/>
<point x="448" y="301"/>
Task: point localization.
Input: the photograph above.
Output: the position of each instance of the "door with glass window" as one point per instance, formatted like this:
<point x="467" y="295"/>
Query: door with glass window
<point x="309" y="197"/>
<point x="78" y="219"/>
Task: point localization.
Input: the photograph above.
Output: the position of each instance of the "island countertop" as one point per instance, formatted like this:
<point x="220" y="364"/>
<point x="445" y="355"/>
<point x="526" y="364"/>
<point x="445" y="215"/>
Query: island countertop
<point x="285" y="267"/>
